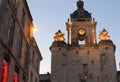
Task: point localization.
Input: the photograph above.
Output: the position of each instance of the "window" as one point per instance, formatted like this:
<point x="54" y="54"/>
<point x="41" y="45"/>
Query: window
<point x="33" y="55"/>
<point x="0" y="3"/>
<point x="85" y="68"/>
<point x="31" y="77"/>
<point x="5" y="68"/>
<point x="59" y="49"/>
<point x="24" y="78"/>
<point x="15" y="78"/>
<point x="85" y="77"/>
<point x="35" y="62"/>
<point x="103" y="59"/>
<point x="35" y="80"/>
<point x="26" y="57"/>
<point x="4" y="71"/>
<point x="19" y="47"/>
<point x="28" y="30"/>
<point x="23" y="18"/>
<point x="11" y="32"/>
<point x="15" y="3"/>
<point x="16" y="74"/>
<point x="38" y="64"/>
<point x="73" y="62"/>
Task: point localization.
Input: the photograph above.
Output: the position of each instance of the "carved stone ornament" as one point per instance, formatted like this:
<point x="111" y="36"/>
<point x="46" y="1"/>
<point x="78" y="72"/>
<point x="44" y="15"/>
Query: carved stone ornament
<point x="59" y="36"/>
<point x="104" y="35"/>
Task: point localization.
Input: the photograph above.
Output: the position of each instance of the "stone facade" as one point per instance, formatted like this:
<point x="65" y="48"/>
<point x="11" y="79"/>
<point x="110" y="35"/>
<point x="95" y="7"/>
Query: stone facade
<point x="34" y="62"/>
<point x="82" y="59"/>
<point x="17" y="43"/>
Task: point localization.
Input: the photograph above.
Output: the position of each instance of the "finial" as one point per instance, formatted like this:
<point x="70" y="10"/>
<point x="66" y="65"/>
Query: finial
<point x="68" y="19"/>
<point x="80" y="4"/>
<point x="93" y="19"/>
<point x="59" y="31"/>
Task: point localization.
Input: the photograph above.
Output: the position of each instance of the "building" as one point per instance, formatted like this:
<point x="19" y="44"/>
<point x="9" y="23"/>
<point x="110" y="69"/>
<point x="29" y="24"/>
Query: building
<point x="118" y="76"/>
<point x="34" y="62"/>
<point x="81" y="58"/>
<point x="19" y="54"/>
<point x="45" y="77"/>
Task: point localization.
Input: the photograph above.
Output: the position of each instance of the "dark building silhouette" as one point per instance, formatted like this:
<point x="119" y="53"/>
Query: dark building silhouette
<point x="19" y="54"/>
<point x="118" y="76"/>
<point x="45" y="77"/>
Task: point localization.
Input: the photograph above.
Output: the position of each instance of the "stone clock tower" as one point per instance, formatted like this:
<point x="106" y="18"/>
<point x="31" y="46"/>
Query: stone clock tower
<point x="81" y="58"/>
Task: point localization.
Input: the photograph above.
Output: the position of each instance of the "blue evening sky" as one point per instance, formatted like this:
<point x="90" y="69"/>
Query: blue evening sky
<point x="50" y="15"/>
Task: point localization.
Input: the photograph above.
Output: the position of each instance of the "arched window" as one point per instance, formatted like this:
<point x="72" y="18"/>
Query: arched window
<point x="4" y="71"/>
<point x="16" y="74"/>
<point x="15" y="78"/>
<point x="103" y="59"/>
<point x="24" y="78"/>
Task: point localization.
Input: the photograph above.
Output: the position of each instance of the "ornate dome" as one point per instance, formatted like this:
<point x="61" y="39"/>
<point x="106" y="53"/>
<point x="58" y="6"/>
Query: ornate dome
<point x="80" y="14"/>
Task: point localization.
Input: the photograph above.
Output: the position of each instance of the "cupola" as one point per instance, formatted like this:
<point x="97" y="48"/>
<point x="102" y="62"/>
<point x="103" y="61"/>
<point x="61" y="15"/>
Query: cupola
<point x="80" y="14"/>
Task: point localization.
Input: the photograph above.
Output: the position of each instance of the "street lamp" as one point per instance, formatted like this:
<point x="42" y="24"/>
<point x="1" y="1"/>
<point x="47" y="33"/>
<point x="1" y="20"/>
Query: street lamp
<point x="33" y="29"/>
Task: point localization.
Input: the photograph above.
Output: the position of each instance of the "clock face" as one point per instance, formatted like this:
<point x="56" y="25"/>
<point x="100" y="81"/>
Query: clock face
<point x="81" y="31"/>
